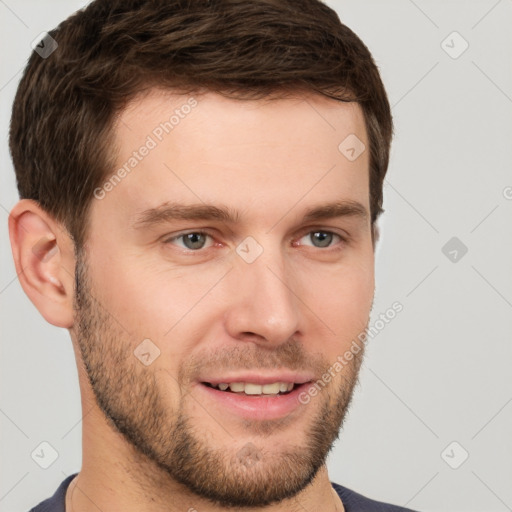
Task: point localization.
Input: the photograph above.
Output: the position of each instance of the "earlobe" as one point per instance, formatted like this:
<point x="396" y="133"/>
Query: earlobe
<point x="44" y="259"/>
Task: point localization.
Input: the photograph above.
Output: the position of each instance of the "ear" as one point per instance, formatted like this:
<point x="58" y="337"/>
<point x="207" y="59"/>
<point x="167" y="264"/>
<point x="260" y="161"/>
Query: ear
<point x="44" y="257"/>
<point x="375" y="234"/>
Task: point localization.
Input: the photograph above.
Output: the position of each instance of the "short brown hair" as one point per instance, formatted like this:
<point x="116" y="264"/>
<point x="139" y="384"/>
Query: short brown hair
<point x="65" y="105"/>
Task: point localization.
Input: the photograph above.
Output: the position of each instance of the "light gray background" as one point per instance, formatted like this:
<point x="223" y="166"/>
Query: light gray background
<point x="440" y="371"/>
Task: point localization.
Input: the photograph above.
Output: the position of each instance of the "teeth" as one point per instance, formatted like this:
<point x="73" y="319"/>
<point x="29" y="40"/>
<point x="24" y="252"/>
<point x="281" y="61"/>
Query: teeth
<point x="237" y="386"/>
<point x="271" y="389"/>
<point x="256" y="389"/>
<point x="253" y="389"/>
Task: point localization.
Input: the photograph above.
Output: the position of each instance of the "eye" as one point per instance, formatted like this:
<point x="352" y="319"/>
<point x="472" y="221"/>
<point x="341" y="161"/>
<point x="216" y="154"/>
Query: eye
<point x="192" y="241"/>
<point x="197" y="240"/>
<point x="321" y="239"/>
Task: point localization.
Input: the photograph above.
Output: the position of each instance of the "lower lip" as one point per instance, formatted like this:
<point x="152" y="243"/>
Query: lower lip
<point x="256" y="407"/>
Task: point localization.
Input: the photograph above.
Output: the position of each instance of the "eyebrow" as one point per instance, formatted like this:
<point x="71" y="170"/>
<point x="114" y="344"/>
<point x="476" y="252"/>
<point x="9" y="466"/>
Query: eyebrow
<point x="170" y="211"/>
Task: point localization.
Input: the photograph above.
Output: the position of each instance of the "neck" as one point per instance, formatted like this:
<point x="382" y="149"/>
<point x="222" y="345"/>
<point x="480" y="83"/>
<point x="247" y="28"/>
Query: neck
<point x="111" y="489"/>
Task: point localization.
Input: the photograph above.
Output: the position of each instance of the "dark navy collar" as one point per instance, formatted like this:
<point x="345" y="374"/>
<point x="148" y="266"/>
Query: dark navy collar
<point x="352" y="501"/>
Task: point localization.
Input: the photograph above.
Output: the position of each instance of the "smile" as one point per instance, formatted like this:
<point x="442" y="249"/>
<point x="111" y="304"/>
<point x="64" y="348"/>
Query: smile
<point x="265" y="399"/>
<point x="249" y="388"/>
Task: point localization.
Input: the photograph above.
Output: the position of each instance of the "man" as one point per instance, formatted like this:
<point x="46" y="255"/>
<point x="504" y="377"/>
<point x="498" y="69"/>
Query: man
<point x="200" y="182"/>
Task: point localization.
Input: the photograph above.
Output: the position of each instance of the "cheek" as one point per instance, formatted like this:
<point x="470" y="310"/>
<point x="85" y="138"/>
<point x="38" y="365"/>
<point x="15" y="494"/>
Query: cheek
<point x="342" y="299"/>
<point x="171" y="307"/>
<point x="143" y="297"/>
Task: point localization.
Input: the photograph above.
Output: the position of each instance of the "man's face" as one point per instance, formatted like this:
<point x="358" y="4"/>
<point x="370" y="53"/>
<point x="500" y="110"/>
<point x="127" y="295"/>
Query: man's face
<point x="170" y="306"/>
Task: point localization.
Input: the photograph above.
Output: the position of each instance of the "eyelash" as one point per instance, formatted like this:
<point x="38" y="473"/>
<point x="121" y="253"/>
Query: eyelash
<point x="342" y="239"/>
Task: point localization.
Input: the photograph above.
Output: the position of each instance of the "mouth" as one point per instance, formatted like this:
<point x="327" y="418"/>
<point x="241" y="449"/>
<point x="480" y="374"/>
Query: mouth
<point x="254" y="398"/>
<point x="253" y="389"/>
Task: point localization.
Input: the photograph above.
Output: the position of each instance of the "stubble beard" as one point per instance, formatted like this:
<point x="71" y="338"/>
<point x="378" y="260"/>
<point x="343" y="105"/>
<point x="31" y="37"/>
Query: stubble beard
<point x="129" y="396"/>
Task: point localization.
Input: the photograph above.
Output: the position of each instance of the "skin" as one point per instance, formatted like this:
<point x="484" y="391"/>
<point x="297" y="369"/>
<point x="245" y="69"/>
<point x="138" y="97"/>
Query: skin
<point x="297" y="306"/>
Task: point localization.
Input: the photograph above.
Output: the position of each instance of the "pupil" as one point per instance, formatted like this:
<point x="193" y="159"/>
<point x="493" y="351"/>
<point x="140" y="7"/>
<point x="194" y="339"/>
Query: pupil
<point x="193" y="240"/>
<point x="322" y="237"/>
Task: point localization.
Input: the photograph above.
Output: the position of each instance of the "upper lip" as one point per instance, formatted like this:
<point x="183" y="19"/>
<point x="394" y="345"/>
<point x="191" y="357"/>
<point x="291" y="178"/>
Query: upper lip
<point x="260" y="378"/>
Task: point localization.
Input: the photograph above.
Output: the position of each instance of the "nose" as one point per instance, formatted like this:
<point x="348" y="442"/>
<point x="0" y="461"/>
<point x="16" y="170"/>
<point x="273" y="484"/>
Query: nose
<point x="262" y="306"/>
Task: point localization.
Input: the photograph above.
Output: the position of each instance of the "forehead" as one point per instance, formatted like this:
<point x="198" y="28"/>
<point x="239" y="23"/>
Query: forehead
<point x="270" y="154"/>
<point x="298" y="113"/>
